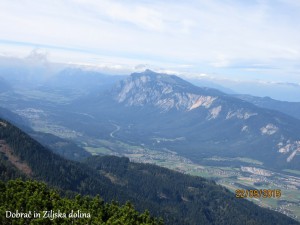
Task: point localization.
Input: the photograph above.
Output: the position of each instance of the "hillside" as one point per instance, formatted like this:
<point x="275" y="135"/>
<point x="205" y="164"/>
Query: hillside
<point x="12" y="117"/>
<point x="63" y="147"/>
<point x="80" y="80"/>
<point x="177" y="198"/>
<point x="4" y="85"/>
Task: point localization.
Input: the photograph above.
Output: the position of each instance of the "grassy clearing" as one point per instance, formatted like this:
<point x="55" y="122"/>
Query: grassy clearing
<point x="240" y="159"/>
<point x="272" y="202"/>
<point x="296" y="172"/>
<point x="97" y="151"/>
<point x="248" y="160"/>
<point x="296" y="211"/>
<point x="48" y="96"/>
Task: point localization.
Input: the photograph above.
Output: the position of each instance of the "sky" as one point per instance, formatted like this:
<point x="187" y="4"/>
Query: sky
<point x="227" y="39"/>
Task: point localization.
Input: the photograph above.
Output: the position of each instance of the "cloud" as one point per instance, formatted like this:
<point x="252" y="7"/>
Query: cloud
<point x="38" y="56"/>
<point x="140" y="15"/>
<point x="216" y="34"/>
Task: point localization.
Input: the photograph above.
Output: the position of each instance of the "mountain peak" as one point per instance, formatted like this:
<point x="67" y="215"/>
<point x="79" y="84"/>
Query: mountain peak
<point x="148" y="71"/>
<point x="154" y="74"/>
<point x="161" y="91"/>
<point x="159" y="79"/>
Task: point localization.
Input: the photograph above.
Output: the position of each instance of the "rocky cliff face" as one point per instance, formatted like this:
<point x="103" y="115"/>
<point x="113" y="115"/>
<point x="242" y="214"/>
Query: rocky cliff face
<point x="168" y="92"/>
<point x="162" y="91"/>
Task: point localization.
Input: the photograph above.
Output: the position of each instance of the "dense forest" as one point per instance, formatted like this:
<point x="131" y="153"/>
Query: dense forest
<point x="32" y="202"/>
<point x="177" y="198"/>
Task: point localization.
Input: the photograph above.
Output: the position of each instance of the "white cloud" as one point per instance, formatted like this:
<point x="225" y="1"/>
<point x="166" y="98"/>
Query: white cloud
<point x="214" y="33"/>
<point x="140" y="15"/>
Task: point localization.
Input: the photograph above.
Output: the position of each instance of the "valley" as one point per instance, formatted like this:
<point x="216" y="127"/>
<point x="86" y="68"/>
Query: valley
<point x="252" y="175"/>
<point x="247" y="177"/>
<point x="233" y="178"/>
<point x="115" y="137"/>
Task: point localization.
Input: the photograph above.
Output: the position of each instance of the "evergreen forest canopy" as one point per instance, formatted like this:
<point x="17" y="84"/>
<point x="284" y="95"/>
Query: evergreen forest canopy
<point x="32" y="202"/>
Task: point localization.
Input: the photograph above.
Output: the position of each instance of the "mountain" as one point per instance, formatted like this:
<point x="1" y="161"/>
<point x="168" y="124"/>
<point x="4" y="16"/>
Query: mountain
<point x="205" y="82"/>
<point x="12" y="117"/>
<point x="161" y="91"/>
<point x="289" y="108"/>
<point x="60" y="146"/>
<point x="178" y="198"/>
<point x="63" y="147"/>
<point x="4" y="85"/>
<point x="283" y="91"/>
<point x="23" y="72"/>
<point x="79" y="79"/>
<point x="161" y="112"/>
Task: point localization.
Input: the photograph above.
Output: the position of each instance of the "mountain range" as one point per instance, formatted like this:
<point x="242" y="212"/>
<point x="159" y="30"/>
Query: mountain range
<point x="289" y="108"/>
<point x="154" y="118"/>
<point x="165" y="112"/>
<point x="4" y="86"/>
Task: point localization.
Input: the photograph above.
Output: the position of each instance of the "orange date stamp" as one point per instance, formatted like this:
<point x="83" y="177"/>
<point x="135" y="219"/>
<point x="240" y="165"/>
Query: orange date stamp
<point x="258" y="193"/>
